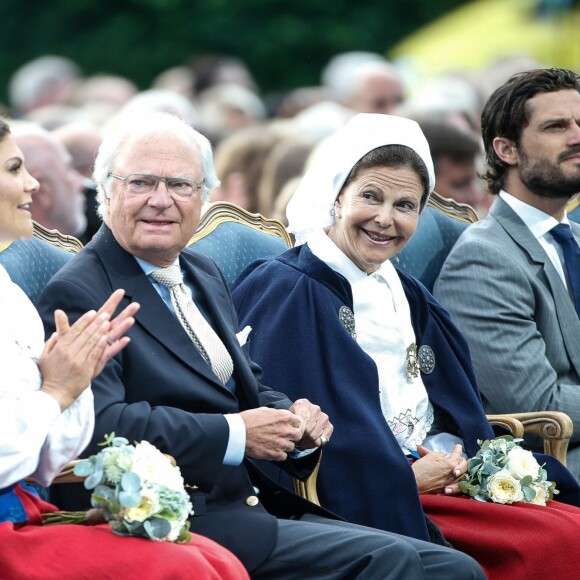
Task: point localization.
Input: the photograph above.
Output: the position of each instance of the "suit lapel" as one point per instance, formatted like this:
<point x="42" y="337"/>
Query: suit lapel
<point x="565" y="311"/>
<point x="154" y="316"/>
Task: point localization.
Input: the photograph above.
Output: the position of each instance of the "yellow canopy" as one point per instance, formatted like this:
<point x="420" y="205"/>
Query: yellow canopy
<point x="483" y="31"/>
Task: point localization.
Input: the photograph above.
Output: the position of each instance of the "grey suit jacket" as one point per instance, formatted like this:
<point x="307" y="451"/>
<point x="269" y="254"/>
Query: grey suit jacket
<point x="504" y="293"/>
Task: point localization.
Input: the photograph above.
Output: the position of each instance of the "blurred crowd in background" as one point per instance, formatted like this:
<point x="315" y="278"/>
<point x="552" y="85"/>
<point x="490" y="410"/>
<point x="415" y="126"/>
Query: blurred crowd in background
<point x="262" y="144"/>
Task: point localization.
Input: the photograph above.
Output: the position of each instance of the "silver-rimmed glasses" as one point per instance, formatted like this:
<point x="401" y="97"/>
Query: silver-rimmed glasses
<point x="141" y="183"/>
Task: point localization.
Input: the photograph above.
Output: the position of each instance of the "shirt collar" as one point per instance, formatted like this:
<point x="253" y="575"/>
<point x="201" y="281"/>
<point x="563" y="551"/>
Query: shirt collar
<point x="148" y="267"/>
<point x="538" y="222"/>
<point x="327" y="251"/>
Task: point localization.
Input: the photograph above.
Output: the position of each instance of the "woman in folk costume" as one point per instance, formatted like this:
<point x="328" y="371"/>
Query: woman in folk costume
<point x="334" y="320"/>
<point x="47" y="418"/>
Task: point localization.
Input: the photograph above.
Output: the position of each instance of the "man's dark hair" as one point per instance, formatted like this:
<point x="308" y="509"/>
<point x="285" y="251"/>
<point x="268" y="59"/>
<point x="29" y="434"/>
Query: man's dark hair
<point x="506" y="113"/>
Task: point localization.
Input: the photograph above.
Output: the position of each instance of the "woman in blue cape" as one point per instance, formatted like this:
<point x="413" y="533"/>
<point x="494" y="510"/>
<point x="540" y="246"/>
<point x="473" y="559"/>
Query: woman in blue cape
<point x="335" y="321"/>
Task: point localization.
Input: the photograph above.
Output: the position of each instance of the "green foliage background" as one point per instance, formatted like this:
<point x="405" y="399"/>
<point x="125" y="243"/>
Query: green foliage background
<point x="285" y="44"/>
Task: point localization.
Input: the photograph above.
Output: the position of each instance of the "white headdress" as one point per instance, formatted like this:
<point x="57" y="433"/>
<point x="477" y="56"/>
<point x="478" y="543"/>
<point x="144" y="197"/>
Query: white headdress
<point x="310" y="208"/>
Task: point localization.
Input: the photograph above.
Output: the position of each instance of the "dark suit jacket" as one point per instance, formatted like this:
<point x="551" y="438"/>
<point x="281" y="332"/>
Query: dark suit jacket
<point x="160" y="389"/>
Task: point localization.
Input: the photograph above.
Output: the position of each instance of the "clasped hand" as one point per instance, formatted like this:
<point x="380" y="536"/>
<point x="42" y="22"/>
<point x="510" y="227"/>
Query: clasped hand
<point x="76" y="354"/>
<point x="437" y="472"/>
<point x="273" y="433"/>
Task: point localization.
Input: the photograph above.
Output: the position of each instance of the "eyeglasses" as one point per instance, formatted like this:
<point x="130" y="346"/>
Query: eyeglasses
<point x="141" y="183"/>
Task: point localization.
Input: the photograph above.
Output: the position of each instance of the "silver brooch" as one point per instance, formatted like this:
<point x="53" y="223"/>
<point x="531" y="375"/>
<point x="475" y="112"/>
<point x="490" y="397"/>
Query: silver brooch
<point x="420" y="360"/>
<point x="426" y="358"/>
<point x="346" y="317"/>
<point x="412" y="363"/>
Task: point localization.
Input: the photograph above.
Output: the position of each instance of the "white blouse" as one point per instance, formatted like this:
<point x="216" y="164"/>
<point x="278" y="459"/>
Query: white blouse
<point x="384" y="331"/>
<point x="36" y="439"/>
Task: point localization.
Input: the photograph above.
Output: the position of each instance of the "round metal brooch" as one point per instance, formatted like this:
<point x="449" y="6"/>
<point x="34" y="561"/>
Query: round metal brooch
<point x="426" y="358"/>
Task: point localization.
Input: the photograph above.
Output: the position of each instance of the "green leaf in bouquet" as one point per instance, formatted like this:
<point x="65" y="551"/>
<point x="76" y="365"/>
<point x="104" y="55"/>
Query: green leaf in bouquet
<point x="184" y="534"/>
<point x="134" y="528"/>
<point x="488" y="468"/>
<point x="119" y="442"/>
<point x="84" y="468"/>
<point x="529" y="492"/>
<point x="157" y="528"/>
<point x="130" y="481"/>
<point x="527" y="480"/>
<point x="98" y="475"/>
<point x="103" y="496"/>
<point x="474" y="463"/>
<point x="129" y="499"/>
<point x="108" y="440"/>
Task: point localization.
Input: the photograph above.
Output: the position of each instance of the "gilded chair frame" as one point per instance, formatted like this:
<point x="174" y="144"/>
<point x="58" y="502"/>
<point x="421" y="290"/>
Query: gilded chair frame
<point x="220" y="212"/>
<point x="53" y="237"/>
<point x="452" y="208"/>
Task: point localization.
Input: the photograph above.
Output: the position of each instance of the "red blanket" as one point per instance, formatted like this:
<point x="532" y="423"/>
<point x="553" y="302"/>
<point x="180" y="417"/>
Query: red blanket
<point x="38" y="552"/>
<point x="519" y="541"/>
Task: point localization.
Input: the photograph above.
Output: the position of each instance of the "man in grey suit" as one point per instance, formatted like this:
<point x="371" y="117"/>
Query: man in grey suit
<point x="506" y="282"/>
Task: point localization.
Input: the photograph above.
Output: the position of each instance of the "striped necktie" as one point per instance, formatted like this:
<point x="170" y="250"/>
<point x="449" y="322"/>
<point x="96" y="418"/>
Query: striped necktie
<point x="197" y="327"/>
<point x="564" y="236"/>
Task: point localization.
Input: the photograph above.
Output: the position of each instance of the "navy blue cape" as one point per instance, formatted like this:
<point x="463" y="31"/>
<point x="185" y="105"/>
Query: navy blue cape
<point x="292" y="303"/>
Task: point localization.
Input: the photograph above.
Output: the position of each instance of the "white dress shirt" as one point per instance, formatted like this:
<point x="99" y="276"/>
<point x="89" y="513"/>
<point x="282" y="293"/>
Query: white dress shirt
<point x="384" y="331"/>
<point x="36" y="439"/>
<point x="540" y="224"/>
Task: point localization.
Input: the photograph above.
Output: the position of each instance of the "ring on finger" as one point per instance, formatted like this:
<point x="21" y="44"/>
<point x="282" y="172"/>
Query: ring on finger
<point x="323" y="439"/>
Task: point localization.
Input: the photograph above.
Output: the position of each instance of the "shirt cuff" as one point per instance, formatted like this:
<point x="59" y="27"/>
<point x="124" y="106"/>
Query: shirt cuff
<point x="237" y="441"/>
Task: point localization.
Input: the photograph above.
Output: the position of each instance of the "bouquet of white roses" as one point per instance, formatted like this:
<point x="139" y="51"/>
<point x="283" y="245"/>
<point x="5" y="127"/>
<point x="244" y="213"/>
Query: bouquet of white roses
<point x="136" y="489"/>
<point x="503" y="472"/>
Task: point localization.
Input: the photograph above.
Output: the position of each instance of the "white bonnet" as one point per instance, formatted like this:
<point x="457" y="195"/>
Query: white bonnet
<point x="311" y="205"/>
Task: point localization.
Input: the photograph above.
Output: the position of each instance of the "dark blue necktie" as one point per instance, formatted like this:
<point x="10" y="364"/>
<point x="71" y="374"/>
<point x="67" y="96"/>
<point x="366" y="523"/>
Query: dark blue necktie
<point x="564" y="236"/>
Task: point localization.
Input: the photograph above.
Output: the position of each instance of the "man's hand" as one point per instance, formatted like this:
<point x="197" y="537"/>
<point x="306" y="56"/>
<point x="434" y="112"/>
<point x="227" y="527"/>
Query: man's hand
<point x="437" y="472"/>
<point x="271" y="433"/>
<point x="318" y="428"/>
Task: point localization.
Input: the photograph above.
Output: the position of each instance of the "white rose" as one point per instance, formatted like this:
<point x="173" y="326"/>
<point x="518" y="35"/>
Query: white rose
<point x="522" y="463"/>
<point x="149" y="505"/>
<point x="154" y="467"/>
<point x="541" y="494"/>
<point x="502" y="487"/>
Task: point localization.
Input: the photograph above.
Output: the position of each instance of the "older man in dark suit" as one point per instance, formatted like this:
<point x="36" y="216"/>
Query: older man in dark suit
<point x="185" y="383"/>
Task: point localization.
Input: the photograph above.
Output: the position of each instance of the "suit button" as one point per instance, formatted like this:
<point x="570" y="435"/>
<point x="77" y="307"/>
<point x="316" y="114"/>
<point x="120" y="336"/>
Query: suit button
<point x="252" y="501"/>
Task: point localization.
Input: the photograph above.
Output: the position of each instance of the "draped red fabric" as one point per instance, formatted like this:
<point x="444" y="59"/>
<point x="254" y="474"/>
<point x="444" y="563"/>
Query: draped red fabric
<point x="518" y="541"/>
<point x="38" y="552"/>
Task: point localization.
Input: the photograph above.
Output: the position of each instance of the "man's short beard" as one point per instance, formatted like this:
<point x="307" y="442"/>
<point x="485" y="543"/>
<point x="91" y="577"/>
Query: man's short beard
<point x="546" y="179"/>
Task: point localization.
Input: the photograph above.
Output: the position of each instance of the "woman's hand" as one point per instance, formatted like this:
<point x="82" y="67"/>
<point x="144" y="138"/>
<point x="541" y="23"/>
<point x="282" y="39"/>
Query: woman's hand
<point x="116" y="341"/>
<point x="437" y="472"/>
<point x="76" y="354"/>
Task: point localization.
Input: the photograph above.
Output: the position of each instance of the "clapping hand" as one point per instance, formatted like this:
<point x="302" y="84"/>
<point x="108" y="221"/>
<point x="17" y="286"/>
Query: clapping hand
<point x="76" y="354"/>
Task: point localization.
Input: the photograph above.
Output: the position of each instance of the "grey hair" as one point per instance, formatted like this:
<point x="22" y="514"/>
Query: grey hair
<point x="146" y="123"/>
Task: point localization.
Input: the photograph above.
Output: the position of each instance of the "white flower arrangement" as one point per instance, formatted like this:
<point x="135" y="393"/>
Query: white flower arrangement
<point x="503" y="472"/>
<point x="136" y="489"/>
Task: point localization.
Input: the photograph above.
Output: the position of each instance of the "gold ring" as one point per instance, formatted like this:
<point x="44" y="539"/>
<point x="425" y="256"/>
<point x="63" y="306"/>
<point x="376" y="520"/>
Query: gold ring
<point x="323" y="439"/>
